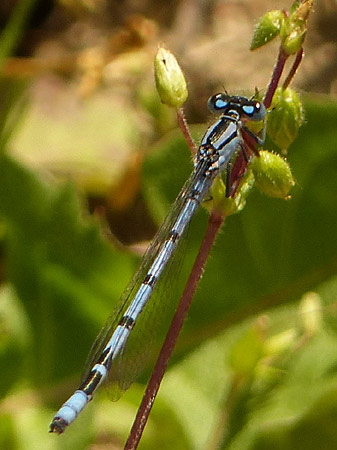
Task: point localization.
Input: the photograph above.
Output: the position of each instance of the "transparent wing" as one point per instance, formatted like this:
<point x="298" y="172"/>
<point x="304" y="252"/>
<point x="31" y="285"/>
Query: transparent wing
<point x="130" y="362"/>
<point x="146" y="336"/>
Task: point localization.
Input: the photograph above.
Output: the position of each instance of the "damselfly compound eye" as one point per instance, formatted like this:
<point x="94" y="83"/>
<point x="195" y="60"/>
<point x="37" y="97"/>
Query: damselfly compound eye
<point x="219" y="102"/>
<point x="255" y="111"/>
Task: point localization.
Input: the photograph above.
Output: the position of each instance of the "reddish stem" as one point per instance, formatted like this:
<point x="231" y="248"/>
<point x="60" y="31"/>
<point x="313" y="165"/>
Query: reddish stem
<point x="185" y="130"/>
<point x="277" y="72"/>
<point x="214" y="223"/>
<point x="293" y="70"/>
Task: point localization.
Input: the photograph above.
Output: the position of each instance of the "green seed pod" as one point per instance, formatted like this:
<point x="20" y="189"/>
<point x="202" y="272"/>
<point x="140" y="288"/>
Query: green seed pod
<point x="285" y="118"/>
<point x="267" y="29"/>
<point x="170" y="80"/>
<point x="272" y="175"/>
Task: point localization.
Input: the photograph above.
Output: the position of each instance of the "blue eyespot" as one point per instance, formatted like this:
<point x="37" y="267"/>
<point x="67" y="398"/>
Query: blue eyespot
<point x="220" y="104"/>
<point x="248" y="109"/>
<point x="259" y="112"/>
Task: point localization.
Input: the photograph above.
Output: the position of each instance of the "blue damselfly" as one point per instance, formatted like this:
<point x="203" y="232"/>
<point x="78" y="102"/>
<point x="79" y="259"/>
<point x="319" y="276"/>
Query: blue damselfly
<point x="219" y="145"/>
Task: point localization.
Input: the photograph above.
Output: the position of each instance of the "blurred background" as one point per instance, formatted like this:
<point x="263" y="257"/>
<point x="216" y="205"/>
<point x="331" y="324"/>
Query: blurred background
<point x="89" y="170"/>
<point x="81" y="60"/>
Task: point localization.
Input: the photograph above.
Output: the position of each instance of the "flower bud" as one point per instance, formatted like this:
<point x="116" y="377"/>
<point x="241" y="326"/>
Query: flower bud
<point x="281" y="342"/>
<point x="247" y="351"/>
<point x="267" y="29"/>
<point x="170" y="80"/>
<point x="294" y="28"/>
<point x="311" y="312"/>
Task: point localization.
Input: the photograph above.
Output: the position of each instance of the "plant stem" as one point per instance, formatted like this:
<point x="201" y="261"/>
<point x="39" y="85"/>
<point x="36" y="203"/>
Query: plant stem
<point x="277" y="72"/>
<point x="291" y="74"/>
<point x="214" y="223"/>
<point x="186" y="132"/>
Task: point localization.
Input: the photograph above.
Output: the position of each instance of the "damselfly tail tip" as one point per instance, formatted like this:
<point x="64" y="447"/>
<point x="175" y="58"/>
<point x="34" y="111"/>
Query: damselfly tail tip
<point x="58" y="425"/>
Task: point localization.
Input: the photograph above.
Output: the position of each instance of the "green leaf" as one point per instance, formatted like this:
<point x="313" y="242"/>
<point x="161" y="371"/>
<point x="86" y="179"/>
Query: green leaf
<point x="63" y="272"/>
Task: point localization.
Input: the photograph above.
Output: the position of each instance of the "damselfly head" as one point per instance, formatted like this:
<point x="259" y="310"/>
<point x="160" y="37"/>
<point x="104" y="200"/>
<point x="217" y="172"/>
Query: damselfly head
<point x="250" y="109"/>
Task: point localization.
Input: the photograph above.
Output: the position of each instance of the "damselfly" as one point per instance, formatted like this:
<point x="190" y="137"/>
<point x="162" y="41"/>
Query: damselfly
<point x="219" y="145"/>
